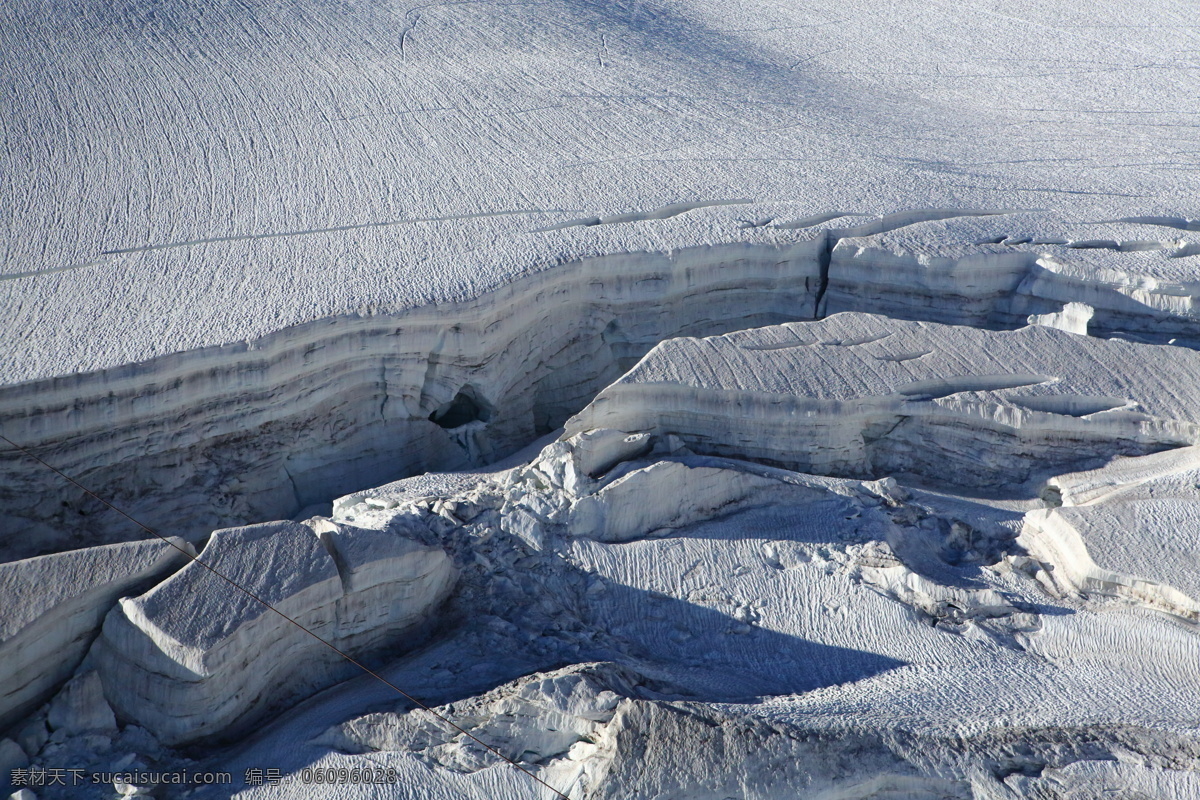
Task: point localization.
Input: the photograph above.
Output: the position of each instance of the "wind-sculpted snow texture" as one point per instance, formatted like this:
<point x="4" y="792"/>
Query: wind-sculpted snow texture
<point x="771" y="634"/>
<point x="688" y="399"/>
<point x="869" y="396"/>
<point x="54" y="605"/>
<point x="252" y="205"/>
<point x="195" y="657"/>
<point x="203" y="173"/>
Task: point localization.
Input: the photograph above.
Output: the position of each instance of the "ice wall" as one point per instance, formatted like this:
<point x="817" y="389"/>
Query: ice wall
<point x="867" y="396"/>
<point x="258" y="430"/>
<point x="195" y="658"/>
<point x="54" y="606"/>
<point x="249" y="431"/>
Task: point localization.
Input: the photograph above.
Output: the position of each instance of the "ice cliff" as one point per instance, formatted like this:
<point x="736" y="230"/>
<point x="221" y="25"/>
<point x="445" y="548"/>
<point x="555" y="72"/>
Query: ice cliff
<point x="266" y="428"/>
<point x="870" y="396"/>
<point x="53" y="609"/>
<point x="873" y="328"/>
<point x="184" y="663"/>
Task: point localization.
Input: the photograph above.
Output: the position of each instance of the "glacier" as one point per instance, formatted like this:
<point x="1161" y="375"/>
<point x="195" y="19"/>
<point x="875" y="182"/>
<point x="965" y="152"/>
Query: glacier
<point x="666" y="398"/>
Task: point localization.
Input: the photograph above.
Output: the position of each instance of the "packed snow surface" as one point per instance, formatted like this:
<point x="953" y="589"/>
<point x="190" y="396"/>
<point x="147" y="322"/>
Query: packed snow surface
<point x="178" y="659"/>
<point x="188" y="174"/>
<point x="865" y="395"/>
<point x="685" y="399"/>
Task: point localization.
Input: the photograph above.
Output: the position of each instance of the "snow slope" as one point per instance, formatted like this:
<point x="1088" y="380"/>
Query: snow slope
<point x="253" y="203"/>
<point x="181" y="175"/>
<point x="873" y="328"/>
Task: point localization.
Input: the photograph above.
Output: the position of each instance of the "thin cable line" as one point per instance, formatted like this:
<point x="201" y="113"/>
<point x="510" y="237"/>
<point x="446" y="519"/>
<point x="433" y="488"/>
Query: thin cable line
<point x="258" y="599"/>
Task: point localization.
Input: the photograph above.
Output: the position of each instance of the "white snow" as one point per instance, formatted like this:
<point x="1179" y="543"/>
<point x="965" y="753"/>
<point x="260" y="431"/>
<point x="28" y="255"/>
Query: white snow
<point x="873" y="329"/>
<point x="54" y="605"/>
<point x="197" y="656"/>
<point x="826" y="637"/>
<point x="292" y="164"/>
<point x="866" y="395"/>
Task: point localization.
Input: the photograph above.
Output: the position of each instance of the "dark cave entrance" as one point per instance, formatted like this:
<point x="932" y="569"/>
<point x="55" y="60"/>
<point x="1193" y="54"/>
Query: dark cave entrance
<point x="466" y="407"/>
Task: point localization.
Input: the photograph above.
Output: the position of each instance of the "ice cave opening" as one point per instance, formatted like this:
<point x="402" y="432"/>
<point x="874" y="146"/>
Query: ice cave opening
<point x="467" y="406"/>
